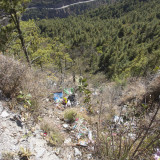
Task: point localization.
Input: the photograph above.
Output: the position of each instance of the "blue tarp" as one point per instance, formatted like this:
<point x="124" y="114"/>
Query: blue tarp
<point x="57" y="96"/>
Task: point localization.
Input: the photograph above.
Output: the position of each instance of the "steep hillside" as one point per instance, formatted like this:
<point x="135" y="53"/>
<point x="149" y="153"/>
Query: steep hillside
<point x="60" y="8"/>
<point x="122" y="40"/>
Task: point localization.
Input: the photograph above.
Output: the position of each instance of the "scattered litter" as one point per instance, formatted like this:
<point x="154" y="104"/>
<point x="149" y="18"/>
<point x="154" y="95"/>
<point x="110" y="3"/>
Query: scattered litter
<point x="72" y="98"/>
<point x="114" y="134"/>
<point x="41" y="134"/>
<point x="95" y="93"/>
<point x="90" y="136"/>
<point x="68" y="91"/>
<point x="157" y="154"/>
<point x="83" y="142"/>
<point x="57" y="96"/>
<point x="65" y="125"/>
<point x="69" y="157"/>
<point x="4" y="114"/>
<point x="1" y="107"/>
<point x="89" y="156"/>
<point x="66" y="120"/>
<point x="69" y="103"/>
<point x="132" y="136"/>
<point x="118" y="119"/>
<point x="57" y="151"/>
<point x="67" y="141"/>
<point x="45" y="134"/>
<point x="77" y="152"/>
<point x="79" y="135"/>
<point x="65" y="100"/>
<point x="47" y="99"/>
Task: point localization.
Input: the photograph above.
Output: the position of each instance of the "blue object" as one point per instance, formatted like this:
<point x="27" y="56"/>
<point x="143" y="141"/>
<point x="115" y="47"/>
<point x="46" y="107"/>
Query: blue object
<point x="57" y="96"/>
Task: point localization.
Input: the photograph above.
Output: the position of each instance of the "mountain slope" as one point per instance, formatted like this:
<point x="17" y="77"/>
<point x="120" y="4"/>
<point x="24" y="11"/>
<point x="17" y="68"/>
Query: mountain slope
<point x="60" y="8"/>
<point x="121" y="40"/>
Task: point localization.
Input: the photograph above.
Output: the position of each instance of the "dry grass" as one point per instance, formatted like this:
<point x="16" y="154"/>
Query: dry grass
<point x="16" y="77"/>
<point x="7" y="155"/>
<point x="35" y="84"/>
<point x="54" y="137"/>
<point x="144" y="118"/>
<point x="139" y="89"/>
<point x="133" y="92"/>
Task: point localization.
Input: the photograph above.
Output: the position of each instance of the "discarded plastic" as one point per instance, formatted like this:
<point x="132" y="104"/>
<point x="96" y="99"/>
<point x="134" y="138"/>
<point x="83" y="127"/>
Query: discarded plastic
<point x="68" y="91"/>
<point x="83" y="142"/>
<point x="67" y="141"/>
<point x="74" y="127"/>
<point x="89" y="156"/>
<point x="90" y="135"/>
<point x="79" y="135"/>
<point x="45" y="134"/>
<point x="57" y="96"/>
<point x="157" y="154"/>
<point x="69" y="103"/>
<point x="77" y="152"/>
<point x="118" y="119"/>
<point x="65" y="125"/>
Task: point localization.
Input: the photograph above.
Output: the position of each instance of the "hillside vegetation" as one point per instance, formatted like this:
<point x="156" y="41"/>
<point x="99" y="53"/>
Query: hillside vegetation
<point x="122" y="40"/>
<point x="53" y="82"/>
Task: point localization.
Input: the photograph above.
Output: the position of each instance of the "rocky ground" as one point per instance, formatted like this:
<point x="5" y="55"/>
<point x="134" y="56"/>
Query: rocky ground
<point x="17" y="135"/>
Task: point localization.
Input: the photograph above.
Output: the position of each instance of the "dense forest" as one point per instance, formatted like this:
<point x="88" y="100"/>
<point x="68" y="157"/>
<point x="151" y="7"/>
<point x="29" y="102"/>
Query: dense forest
<point x="121" y="39"/>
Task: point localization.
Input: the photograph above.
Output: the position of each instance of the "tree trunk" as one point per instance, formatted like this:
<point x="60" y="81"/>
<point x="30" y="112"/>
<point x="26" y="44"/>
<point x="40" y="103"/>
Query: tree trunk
<point x="17" y="24"/>
<point x="41" y="66"/>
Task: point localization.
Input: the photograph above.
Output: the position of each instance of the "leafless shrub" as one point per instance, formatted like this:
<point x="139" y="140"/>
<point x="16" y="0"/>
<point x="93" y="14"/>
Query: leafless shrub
<point x="11" y="74"/>
<point x="16" y="77"/>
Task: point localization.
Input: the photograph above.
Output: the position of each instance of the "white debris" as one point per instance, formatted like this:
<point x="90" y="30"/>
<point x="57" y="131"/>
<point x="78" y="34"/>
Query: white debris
<point x="4" y="114"/>
<point x="77" y="152"/>
<point x="67" y="141"/>
<point x="90" y="135"/>
<point x="69" y="103"/>
<point x="118" y="119"/>
<point x="132" y="135"/>
<point x="89" y="156"/>
<point x="47" y="99"/>
<point x="1" y="107"/>
<point x="65" y="125"/>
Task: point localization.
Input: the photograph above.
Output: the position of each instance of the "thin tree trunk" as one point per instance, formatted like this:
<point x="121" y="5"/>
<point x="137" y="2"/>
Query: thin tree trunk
<point x="41" y="66"/>
<point x="17" y="24"/>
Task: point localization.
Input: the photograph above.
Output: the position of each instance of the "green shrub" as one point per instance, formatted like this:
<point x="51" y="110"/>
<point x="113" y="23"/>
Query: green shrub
<point x="70" y="115"/>
<point x="54" y="137"/>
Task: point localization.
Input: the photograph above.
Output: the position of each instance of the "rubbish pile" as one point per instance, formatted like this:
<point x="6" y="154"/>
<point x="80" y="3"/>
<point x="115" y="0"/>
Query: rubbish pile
<point x="64" y="99"/>
<point x="80" y="133"/>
